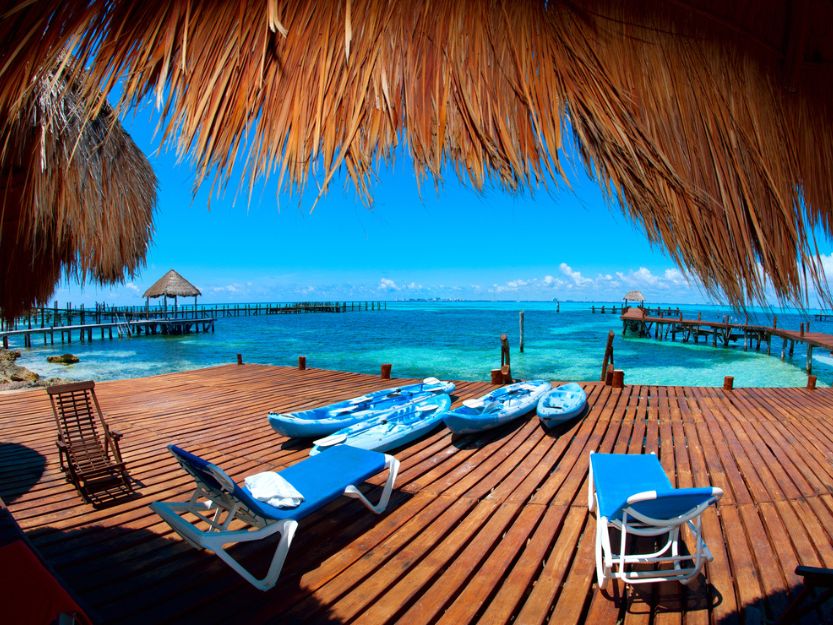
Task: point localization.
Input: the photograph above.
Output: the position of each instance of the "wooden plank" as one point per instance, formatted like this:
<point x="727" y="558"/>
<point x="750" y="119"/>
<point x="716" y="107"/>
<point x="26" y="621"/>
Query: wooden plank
<point x="490" y="528"/>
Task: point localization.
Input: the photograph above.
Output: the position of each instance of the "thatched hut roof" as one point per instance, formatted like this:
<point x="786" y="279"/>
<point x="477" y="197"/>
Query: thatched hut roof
<point x="712" y="122"/>
<point x="634" y="296"/>
<point x="172" y="284"/>
<point x="76" y="195"/>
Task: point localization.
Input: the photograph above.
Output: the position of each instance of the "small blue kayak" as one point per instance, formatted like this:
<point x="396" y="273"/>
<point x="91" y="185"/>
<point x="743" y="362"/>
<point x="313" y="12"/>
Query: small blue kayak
<point x="561" y="404"/>
<point x="327" y="419"/>
<point x="394" y="428"/>
<point x="498" y="407"/>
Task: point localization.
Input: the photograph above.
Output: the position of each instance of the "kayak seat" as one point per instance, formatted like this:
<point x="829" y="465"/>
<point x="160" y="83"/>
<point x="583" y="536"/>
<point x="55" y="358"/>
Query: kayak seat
<point x="218" y="501"/>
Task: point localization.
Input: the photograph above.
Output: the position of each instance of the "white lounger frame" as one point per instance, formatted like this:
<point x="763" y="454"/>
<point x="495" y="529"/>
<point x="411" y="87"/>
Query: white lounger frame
<point x="224" y="509"/>
<point x="614" y="565"/>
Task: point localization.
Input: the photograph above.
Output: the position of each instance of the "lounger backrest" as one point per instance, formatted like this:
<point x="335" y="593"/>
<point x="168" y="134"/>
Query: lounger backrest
<point x="674" y="503"/>
<point x="74" y="408"/>
<point x="212" y="478"/>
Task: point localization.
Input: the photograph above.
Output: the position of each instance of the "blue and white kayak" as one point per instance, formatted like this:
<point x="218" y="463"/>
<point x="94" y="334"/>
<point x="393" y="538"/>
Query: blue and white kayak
<point x="327" y="419"/>
<point x="394" y="428"/>
<point x="561" y="404"/>
<point x="498" y="407"/>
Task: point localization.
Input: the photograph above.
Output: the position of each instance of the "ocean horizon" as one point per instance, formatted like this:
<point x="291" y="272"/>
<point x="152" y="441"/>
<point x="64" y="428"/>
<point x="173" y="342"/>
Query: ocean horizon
<point x="452" y="339"/>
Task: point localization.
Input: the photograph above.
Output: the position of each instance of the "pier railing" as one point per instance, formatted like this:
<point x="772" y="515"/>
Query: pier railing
<point x="68" y="315"/>
<point x="48" y="323"/>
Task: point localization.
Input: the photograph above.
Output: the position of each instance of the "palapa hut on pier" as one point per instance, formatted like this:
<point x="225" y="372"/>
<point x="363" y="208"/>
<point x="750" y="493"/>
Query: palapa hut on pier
<point x="634" y="297"/>
<point x="712" y="122"/>
<point x="172" y="284"/>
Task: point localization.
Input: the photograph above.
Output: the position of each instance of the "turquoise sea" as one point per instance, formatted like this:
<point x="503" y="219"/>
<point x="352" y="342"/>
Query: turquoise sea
<point x="457" y="340"/>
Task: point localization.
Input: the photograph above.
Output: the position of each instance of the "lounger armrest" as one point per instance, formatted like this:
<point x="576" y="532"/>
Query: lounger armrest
<point x="116" y="435"/>
<point x="650" y="495"/>
<point x="392" y="465"/>
<point x="669" y="507"/>
<point x="815" y="575"/>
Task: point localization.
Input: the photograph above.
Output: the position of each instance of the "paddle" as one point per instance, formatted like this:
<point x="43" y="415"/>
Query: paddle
<point x="329" y="441"/>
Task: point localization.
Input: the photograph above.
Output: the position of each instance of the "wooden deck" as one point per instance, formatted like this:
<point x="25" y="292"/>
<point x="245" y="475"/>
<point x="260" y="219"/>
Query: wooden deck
<point x="482" y="529"/>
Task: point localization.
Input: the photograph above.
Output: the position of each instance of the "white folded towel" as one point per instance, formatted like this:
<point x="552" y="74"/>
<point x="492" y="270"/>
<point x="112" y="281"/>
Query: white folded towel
<point x="273" y="489"/>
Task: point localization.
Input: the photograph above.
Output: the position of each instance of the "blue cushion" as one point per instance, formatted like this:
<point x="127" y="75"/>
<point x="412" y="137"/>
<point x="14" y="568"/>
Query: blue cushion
<point x="320" y="478"/>
<point x="618" y="476"/>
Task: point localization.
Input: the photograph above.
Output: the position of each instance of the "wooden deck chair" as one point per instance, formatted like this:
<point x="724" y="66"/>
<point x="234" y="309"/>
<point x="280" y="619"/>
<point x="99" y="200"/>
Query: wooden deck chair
<point x="632" y="494"/>
<point x="218" y="501"/>
<point x="89" y="450"/>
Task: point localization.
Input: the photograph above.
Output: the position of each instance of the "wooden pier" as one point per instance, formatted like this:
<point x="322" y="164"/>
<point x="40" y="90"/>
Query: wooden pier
<point x="489" y="528"/>
<point x="723" y="334"/>
<point x="49" y="324"/>
<point x="85" y="332"/>
<point x="68" y="315"/>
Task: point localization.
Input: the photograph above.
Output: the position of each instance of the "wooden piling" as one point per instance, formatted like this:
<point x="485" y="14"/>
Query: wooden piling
<point x="607" y="361"/>
<point x="385" y="371"/>
<point x="608" y="379"/>
<point x="521" y="324"/>
<point x="809" y="359"/>
<point x="728" y="383"/>
<point x="302" y="362"/>
<point x="811" y="382"/>
<point x="506" y="374"/>
<point x="618" y="379"/>
<point x="239" y="359"/>
<point x="504" y="350"/>
<point x="497" y="377"/>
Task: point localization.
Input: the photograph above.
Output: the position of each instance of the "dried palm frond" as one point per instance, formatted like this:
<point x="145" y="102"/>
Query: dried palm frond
<point x="77" y="196"/>
<point x="715" y="134"/>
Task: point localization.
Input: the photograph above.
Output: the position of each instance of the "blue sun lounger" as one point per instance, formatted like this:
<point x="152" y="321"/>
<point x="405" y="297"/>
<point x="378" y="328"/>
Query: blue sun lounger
<point x="218" y="501"/>
<point x="632" y="494"/>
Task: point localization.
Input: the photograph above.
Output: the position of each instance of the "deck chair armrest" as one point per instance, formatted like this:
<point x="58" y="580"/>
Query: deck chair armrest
<point x="647" y="495"/>
<point x="815" y="575"/>
<point x="115" y="434"/>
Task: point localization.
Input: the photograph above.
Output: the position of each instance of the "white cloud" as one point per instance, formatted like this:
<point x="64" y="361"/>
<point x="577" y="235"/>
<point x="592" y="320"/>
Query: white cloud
<point x="228" y="288"/>
<point x="675" y="277"/>
<point x="386" y="284"/>
<point x="573" y="275"/>
<point x="413" y="286"/>
<point x="827" y="265"/>
<point x="132" y="286"/>
<point x="645" y="276"/>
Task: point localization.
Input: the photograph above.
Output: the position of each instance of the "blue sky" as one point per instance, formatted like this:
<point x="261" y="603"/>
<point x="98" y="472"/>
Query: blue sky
<point x="450" y="242"/>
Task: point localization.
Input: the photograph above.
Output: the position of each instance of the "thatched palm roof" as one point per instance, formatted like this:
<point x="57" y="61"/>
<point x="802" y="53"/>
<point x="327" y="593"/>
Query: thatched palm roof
<point x="710" y="121"/>
<point x="172" y="284"/>
<point x="634" y="296"/>
<point x="76" y="195"/>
